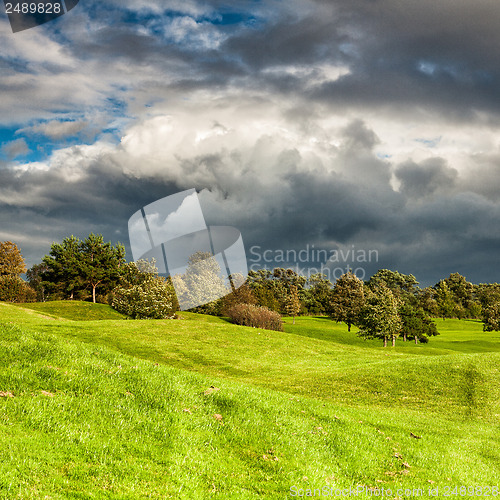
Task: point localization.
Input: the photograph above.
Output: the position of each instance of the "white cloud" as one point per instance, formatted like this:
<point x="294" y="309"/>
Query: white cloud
<point x="56" y="129"/>
<point x="16" y="148"/>
<point x="195" y="34"/>
<point x="312" y="74"/>
<point x="35" y="48"/>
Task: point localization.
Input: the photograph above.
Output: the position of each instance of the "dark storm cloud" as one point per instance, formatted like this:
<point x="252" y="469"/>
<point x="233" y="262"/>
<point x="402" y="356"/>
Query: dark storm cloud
<point x="438" y="55"/>
<point x="289" y="40"/>
<point x="47" y="206"/>
<point x="430" y="240"/>
<point x="424" y="179"/>
<point x="483" y="176"/>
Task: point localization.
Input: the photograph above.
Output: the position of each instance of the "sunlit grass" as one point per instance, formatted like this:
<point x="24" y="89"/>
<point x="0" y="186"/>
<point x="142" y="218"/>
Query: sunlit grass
<point x="76" y="310"/>
<point x="120" y="409"/>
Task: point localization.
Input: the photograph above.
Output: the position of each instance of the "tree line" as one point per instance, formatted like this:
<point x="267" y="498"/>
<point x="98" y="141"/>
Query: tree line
<point x="388" y="306"/>
<point x="89" y="269"/>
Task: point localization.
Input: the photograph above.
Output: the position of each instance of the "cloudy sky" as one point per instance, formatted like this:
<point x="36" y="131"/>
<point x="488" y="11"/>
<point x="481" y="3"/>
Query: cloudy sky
<point x="343" y="124"/>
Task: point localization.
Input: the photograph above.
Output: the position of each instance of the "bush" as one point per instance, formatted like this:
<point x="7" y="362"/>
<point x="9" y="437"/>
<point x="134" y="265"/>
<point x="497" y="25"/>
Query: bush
<point x="144" y="294"/>
<point x="242" y="295"/>
<point x="14" y="289"/>
<point x="210" y="308"/>
<point x="256" y="316"/>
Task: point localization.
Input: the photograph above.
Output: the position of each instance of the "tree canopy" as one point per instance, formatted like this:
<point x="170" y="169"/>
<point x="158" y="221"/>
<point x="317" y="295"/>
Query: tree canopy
<point x="142" y="294"/>
<point x="347" y="299"/>
<point x="11" y="261"/>
<point x="12" y="287"/>
<point x="75" y="265"/>
<point x="317" y="296"/>
<point x="379" y="318"/>
<point x="272" y="288"/>
<point x="415" y="323"/>
<point x="292" y="306"/>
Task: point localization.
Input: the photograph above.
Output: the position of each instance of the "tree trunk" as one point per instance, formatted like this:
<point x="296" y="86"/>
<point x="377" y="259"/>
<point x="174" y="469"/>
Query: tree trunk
<point x="416" y="340"/>
<point x="348" y="327"/>
<point x="394" y="341"/>
<point x="293" y="322"/>
<point x="93" y="294"/>
<point x="404" y="337"/>
<point x="71" y="296"/>
<point x="385" y="341"/>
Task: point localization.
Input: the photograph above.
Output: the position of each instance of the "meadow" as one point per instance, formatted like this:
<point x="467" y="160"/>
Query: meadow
<point x="93" y="405"/>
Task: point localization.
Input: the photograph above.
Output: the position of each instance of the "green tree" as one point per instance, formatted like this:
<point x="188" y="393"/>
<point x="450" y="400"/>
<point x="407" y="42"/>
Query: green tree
<point x="34" y="276"/>
<point x="14" y="289"/>
<point x="317" y="296"/>
<point x="491" y="317"/>
<point x="347" y="299"/>
<point x="403" y="286"/>
<point x="462" y="292"/>
<point x="444" y="300"/>
<point x="426" y="300"/>
<point x="63" y="276"/>
<point x="74" y="265"/>
<point x="475" y="310"/>
<point x="263" y="288"/>
<point x="487" y="294"/>
<point x="283" y="281"/>
<point x="99" y="263"/>
<point x="11" y="261"/>
<point x="415" y="323"/>
<point x="293" y="303"/>
<point x="142" y="294"/>
<point x="379" y="318"/>
<point x="428" y="329"/>
<point x="288" y="277"/>
<point x="272" y="288"/>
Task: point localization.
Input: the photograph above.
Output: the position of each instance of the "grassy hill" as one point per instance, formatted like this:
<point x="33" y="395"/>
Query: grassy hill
<point x="76" y="310"/>
<point x="97" y="407"/>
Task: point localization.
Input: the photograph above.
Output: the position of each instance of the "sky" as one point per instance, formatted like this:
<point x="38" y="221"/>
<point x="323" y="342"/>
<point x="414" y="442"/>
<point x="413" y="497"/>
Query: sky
<point x="365" y="127"/>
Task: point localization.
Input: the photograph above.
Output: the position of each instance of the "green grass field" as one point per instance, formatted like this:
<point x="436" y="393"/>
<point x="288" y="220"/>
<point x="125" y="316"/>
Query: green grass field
<point x="96" y="406"/>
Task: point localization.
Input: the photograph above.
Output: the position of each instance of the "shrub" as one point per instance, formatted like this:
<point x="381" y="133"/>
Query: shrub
<point x="14" y="289"/>
<point x="210" y="308"/>
<point x="144" y="294"/>
<point x="256" y="316"/>
<point x="242" y="295"/>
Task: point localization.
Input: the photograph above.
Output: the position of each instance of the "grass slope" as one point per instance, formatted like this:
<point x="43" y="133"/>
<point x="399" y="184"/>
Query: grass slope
<point x="76" y="310"/>
<point x="315" y="358"/>
<point x="312" y="406"/>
